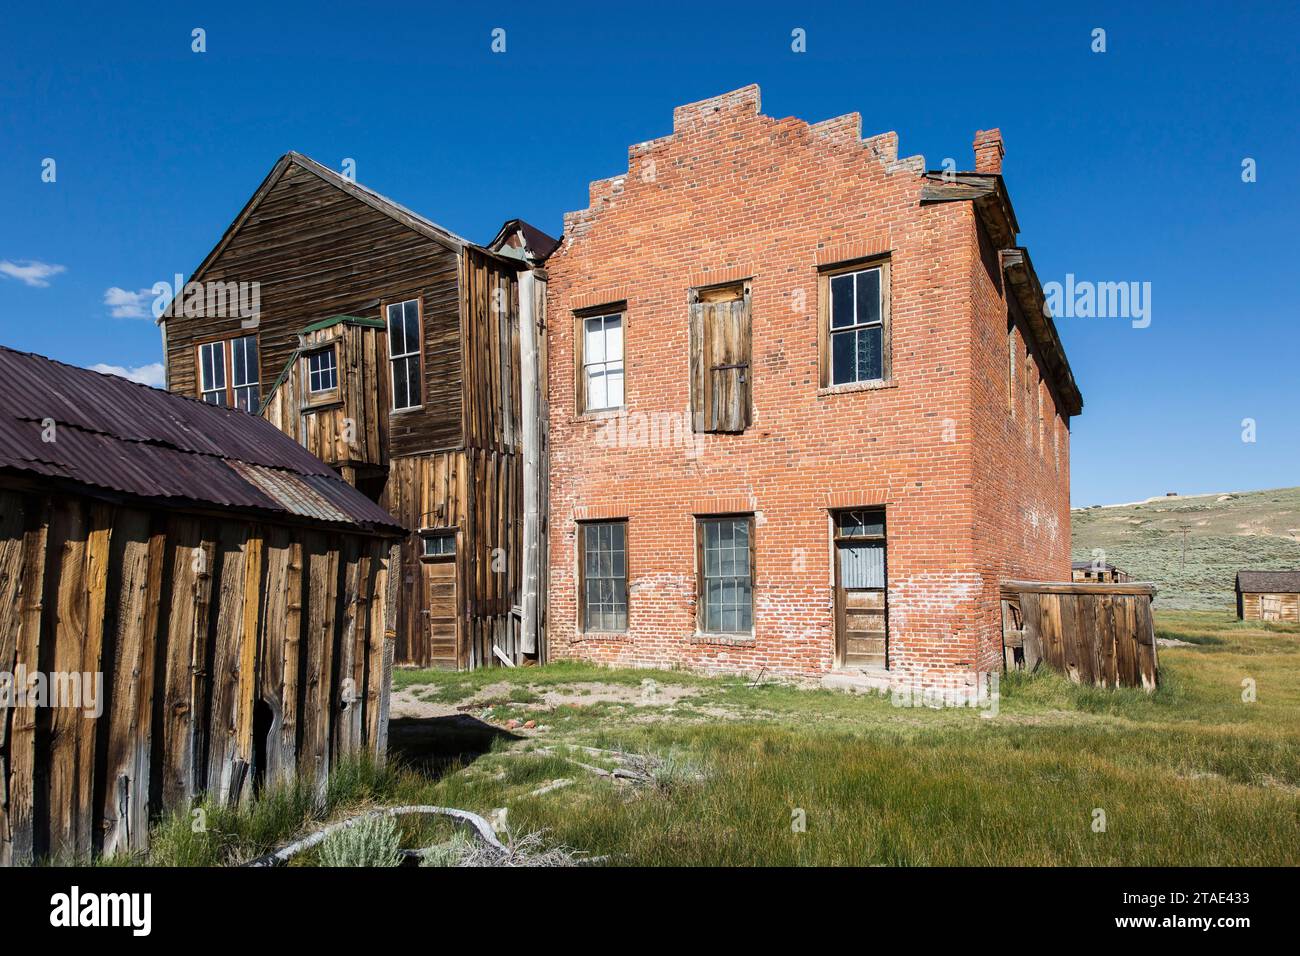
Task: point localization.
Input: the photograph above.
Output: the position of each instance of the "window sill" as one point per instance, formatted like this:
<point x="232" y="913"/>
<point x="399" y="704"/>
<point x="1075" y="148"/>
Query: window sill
<point x="406" y="411"/>
<point x="724" y="640"/>
<point x="319" y="404"/>
<point x="599" y="414"/>
<point x="621" y="637"/>
<point x="874" y="386"/>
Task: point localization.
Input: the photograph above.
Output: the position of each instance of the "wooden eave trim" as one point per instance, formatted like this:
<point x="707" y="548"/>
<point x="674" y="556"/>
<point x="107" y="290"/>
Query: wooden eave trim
<point x="1029" y="294"/>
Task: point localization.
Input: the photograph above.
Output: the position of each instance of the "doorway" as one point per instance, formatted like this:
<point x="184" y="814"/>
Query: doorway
<point x="861" y="612"/>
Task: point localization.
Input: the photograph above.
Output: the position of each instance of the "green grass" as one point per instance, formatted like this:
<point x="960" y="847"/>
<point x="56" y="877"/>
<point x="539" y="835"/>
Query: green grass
<point x="1189" y="775"/>
<point x="1258" y="530"/>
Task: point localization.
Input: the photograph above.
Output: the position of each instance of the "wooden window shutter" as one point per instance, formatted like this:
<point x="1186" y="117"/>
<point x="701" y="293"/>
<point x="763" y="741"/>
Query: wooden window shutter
<point x="721" y="357"/>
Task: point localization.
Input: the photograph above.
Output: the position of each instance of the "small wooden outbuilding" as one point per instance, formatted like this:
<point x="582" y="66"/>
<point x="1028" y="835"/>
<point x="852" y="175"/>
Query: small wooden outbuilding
<point x="190" y="603"/>
<point x="1268" y="595"/>
<point x="1097" y="572"/>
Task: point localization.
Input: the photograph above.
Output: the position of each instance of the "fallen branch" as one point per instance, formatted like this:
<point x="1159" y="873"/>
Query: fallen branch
<point x="471" y="822"/>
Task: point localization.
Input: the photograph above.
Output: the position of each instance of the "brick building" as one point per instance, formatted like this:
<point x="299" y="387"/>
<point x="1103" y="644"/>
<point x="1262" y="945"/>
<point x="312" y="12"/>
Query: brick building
<point x="806" y="407"/>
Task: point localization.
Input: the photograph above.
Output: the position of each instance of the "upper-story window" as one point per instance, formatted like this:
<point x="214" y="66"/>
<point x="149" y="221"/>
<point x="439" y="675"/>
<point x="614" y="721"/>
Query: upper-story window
<point x="404" y="353"/>
<point x="855" y="325"/>
<point x="600" y="362"/>
<point x="322" y="371"/>
<point x="228" y="373"/>
<point x="721" y="356"/>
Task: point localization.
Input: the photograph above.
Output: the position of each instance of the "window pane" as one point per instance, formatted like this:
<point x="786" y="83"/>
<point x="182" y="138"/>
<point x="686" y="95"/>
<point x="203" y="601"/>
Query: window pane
<point x="843" y="358"/>
<point x="869" y="365"/>
<point x="399" y="384"/>
<point x="412" y="309"/>
<point x="614" y="384"/>
<point x="596" y="395"/>
<point x="614" y="338"/>
<point x="396" y="336"/>
<point x="594" y="346"/>
<point x="841" y="301"/>
<point x="413" y="381"/>
<point x="869" y="296"/>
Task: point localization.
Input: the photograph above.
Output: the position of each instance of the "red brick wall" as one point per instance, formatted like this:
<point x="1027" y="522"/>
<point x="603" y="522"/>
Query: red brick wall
<point x="734" y="194"/>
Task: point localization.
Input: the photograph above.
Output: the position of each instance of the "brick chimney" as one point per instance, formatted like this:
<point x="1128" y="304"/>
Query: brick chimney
<point x="988" y="151"/>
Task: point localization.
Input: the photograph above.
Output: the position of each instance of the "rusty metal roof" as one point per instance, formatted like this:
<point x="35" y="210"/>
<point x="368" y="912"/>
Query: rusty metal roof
<point x="103" y="432"/>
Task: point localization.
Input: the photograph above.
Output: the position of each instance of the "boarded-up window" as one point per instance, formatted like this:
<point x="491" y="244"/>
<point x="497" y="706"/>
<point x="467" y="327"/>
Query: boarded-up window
<point x="602" y="569"/>
<point x="721" y="356"/>
<point x="854" y="324"/>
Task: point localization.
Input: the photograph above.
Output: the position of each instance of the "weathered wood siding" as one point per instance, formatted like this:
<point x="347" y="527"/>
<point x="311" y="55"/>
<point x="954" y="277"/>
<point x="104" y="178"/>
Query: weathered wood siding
<point x="351" y="430"/>
<point x="478" y="493"/>
<point x="231" y="654"/>
<point x="1251" y="606"/>
<point x="318" y="252"/>
<point x="1101" y="634"/>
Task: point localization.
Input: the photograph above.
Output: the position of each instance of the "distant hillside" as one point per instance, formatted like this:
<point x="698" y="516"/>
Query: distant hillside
<point x="1225" y="533"/>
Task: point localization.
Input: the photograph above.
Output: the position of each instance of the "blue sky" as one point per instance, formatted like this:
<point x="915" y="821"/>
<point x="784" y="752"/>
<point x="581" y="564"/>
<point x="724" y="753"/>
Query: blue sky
<point x="1123" y="166"/>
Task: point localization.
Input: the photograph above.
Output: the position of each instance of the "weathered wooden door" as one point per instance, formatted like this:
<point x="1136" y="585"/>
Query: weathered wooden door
<point x="1270" y="607"/>
<point x="860" y="620"/>
<point x="438" y="609"/>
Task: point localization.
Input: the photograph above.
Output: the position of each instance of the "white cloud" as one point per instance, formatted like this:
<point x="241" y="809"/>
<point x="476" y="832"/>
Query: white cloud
<point x="128" y="305"/>
<point x="151" y="374"/>
<point x="30" y="271"/>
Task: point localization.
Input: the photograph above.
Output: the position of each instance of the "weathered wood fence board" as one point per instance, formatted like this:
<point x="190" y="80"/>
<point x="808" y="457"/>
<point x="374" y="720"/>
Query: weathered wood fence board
<point x="232" y="654"/>
<point x="1100" y="634"/>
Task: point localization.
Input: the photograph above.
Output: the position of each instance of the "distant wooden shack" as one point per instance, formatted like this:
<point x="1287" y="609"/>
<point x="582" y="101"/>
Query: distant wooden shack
<point x="1268" y="595"/>
<point x="190" y="603"/>
<point x="1098" y="572"/>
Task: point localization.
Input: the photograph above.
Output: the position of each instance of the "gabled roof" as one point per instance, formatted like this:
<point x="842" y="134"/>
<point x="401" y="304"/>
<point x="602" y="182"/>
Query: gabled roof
<point x="538" y="246"/>
<point x="115" y="438"/>
<point x="1268" y="582"/>
<point x="396" y="211"/>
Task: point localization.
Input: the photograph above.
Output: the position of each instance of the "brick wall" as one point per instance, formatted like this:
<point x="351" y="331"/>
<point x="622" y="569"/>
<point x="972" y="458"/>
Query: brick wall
<point x="733" y="194"/>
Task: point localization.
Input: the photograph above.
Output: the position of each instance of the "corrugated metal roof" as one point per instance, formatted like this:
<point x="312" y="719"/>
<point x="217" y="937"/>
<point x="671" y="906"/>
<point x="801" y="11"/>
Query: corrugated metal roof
<point x="1268" y="582"/>
<point x="122" y="437"/>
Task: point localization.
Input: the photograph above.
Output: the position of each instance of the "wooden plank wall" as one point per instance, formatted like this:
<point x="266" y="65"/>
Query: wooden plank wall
<point x="1252" y="606"/>
<point x="363" y="400"/>
<point x="318" y="252"/>
<point x="1094" y="633"/>
<point x="231" y="654"/>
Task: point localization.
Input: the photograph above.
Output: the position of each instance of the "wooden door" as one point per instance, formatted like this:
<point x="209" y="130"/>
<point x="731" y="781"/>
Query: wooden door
<point x="1270" y="607"/>
<point x="860" y="619"/>
<point x="438" y="611"/>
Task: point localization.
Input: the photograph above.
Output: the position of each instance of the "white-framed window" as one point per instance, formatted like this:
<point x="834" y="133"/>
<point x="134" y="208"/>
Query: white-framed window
<point x="602" y="362"/>
<point x="322" y="371"/>
<point x="228" y="373"/>
<point x="404" y="353"/>
<point x="857" y="326"/>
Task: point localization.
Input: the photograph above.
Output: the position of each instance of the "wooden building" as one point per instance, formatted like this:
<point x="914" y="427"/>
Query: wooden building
<point x="1268" y="596"/>
<point x="1097" y="572"/>
<point x="191" y="602"/>
<point x="409" y="360"/>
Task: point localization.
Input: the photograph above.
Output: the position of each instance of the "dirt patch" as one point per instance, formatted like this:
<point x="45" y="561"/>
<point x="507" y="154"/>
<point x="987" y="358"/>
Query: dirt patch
<point x="408" y="702"/>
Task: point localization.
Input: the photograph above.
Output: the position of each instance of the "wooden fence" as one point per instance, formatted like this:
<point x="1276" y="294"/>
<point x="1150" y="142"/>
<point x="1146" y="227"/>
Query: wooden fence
<point x="1101" y="634"/>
